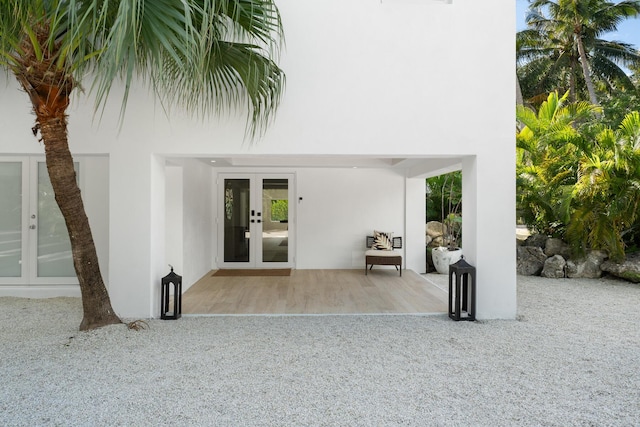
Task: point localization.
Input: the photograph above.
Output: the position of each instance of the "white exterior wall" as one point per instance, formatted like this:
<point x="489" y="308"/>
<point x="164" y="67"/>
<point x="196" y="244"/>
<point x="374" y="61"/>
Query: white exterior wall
<point x="364" y="77"/>
<point x="334" y="218"/>
<point x="414" y="235"/>
<point x="174" y="219"/>
<point x="198" y="224"/>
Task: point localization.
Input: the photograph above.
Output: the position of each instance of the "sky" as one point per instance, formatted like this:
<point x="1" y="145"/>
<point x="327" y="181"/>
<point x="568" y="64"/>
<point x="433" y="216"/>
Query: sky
<point x="628" y="31"/>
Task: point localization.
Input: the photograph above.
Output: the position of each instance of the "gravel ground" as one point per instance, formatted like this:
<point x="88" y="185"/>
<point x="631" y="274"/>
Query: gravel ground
<point x="571" y="359"/>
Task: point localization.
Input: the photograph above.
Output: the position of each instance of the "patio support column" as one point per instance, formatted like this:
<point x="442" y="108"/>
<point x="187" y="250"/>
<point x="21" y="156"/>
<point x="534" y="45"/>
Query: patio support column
<point x="488" y="232"/>
<point x="415" y="214"/>
<point x="137" y="232"/>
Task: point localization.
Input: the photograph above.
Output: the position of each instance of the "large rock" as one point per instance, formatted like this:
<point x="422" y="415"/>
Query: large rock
<point x="437" y="241"/>
<point x="554" y="267"/>
<point x="538" y="240"/>
<point x="554" y="246"/>
<point x="587" y="267"/>
<point x="522" y="233"/>
<point x="435" y="229"/>
<point x="530" y="260"/>
<point x="629" y="269"/>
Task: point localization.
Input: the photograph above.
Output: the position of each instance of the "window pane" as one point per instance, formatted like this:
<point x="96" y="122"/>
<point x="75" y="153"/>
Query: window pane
<point x="275" y="221"/>
<point x="11" y="219"/>
<point x="236" y="220"/>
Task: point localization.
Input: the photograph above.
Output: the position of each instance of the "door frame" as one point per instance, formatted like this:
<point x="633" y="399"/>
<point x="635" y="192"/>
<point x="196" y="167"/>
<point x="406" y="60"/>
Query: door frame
<point x="255" y="245"/>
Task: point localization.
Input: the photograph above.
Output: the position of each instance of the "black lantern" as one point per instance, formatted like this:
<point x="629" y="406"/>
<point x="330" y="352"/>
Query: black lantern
<point x="168" y="280"/>
<point x="462" y="295"/>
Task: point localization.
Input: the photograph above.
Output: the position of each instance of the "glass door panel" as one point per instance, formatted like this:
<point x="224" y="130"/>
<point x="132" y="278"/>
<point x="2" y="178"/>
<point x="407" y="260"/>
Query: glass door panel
<point x="237" y="233"/>
<point x="275" y="220"/>
<point x="11" y="219"/>
<point x="54" y="258"/>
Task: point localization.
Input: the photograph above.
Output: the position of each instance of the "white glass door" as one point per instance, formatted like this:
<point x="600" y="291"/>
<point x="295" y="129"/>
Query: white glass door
<point x="255" y="221"/>
<point x="34" y="243"/>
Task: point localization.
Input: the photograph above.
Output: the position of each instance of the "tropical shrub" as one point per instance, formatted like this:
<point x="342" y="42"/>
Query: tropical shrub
<point x="577" y="178"/>
<point x="444" y="204"/>
<point x="607" y="192"/>
<point x="444" y="195"/>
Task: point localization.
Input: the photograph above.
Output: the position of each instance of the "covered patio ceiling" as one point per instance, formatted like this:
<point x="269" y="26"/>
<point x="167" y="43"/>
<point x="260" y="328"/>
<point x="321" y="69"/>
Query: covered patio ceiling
<point x="415" y="166"/>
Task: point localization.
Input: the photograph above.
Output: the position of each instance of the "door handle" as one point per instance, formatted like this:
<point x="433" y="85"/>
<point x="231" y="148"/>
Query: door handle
<point x="253" y="212"/>
<point x="258" y="221"/>
<point x="253" y="220"/>
<point x="32" y="226"/>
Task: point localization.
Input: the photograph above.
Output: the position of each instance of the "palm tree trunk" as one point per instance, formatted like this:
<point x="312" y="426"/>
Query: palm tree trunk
<point x="95" y="299"/>
<point x="585" y="71"/>
<point x="572" y="82"/>
<point x="49" y="90"/>
<point x="519" y="100"/>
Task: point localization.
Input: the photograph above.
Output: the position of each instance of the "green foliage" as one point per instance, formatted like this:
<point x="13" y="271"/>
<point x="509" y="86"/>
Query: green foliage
<point x="577" y="172"/>
<point x="617" y="105"/>
<point x="578" y="178"/>
<point x="444" y="193"/>
<point x="444" y="204"/>
<point x="204" y="56"/>
<point x="549" y="56"/>
<point x="279" y="210"/>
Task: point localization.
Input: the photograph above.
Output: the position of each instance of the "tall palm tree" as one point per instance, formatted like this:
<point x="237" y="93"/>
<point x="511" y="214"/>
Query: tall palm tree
<point x="563" y="49"/>
<point x="204" y="55"/>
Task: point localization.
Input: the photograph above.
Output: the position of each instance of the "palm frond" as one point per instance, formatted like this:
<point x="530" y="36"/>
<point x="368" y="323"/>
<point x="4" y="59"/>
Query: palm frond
<point x="204" y="56"/>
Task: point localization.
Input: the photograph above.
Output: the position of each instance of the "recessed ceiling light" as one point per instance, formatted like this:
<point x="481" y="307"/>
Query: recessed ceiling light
<point x="213" y="161"/>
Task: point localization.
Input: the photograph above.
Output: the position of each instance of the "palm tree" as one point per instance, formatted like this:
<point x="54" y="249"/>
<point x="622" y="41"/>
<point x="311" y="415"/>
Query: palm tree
<point x="204" y="55"/>
<point x="564" y="50"/>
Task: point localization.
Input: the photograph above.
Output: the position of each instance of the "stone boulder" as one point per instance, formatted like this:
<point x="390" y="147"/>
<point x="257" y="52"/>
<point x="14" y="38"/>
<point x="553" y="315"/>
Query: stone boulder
<point x="530" y="261"/>
<point x="629" y="269"/>
<point x="437" y="241"/>
<point x="435" y="229"/>
<point x="538" y="240"/>
<point x="554" y="246"/>
<point x="554" y="267"/>
<point x="522" y="232"/>
<point x="587" y="267"/>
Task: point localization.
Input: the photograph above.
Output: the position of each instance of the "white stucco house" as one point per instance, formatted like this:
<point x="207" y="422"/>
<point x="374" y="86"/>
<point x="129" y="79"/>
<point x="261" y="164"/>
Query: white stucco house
<point x="380" y="95"/>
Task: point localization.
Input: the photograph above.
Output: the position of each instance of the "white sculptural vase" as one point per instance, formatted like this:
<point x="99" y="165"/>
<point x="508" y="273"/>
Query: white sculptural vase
<point x="442" y="257"/>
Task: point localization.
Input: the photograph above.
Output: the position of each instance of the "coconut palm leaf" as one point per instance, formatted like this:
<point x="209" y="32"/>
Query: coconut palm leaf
<point x="567" y="35"/>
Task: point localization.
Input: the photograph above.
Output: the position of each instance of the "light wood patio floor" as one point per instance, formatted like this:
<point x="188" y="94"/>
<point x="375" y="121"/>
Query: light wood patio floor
<point x="316" y="292"/>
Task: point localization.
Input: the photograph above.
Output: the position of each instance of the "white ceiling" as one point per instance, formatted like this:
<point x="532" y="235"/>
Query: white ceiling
<point x="415" y="166"/>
